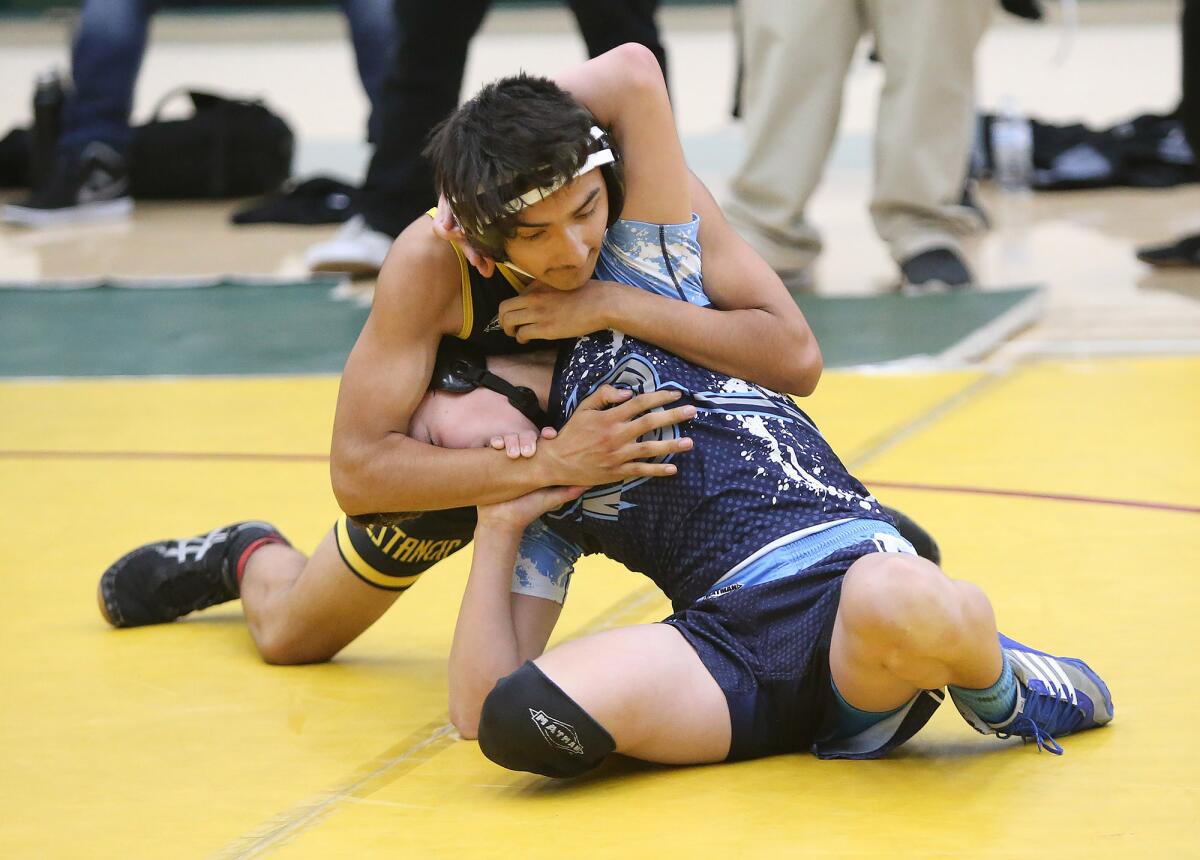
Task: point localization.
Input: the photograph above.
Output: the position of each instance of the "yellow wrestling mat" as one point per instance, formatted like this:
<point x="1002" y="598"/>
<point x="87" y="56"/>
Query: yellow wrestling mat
<point x="1069" y="491"/>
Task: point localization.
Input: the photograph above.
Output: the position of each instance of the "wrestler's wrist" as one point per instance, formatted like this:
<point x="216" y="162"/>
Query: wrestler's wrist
<point x="493" y="524"/>
<point x="544" y="469"/>
<point x="615" y="311"/>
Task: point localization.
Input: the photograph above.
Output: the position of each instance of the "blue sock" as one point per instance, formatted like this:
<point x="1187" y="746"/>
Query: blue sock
<point x="994" y="704"/>
<point x="852" y="720"/>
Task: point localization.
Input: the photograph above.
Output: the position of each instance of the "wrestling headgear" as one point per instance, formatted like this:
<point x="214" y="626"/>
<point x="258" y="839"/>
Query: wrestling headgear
<point x="460" y="368"/>
<point x="601" y="154"/>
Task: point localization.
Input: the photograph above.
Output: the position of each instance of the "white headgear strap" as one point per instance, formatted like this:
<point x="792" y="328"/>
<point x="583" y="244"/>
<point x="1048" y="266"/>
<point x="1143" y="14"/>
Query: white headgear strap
<point x="536" y="195"/>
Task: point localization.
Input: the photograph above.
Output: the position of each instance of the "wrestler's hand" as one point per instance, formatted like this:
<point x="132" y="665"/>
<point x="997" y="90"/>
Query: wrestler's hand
<point x="446" y="227"/>
<point x="516" y="514"/>
<point x="601" y="443"/>
<point x="522" y="443"/>
<point x="544" y="313"/>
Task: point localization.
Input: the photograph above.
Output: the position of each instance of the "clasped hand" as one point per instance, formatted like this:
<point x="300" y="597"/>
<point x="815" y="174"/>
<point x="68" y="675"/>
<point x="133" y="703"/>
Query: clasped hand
<point x="604" y="442"/>
<point x="544" y="313"/>
<point x="540" y="312"/>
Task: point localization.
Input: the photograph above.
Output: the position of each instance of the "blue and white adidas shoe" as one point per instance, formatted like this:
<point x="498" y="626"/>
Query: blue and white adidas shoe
<point x="1056" y="696"/>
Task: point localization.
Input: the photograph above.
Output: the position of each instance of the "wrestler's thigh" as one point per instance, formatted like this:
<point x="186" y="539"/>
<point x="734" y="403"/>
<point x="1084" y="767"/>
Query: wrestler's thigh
<point x="649" y="689"/>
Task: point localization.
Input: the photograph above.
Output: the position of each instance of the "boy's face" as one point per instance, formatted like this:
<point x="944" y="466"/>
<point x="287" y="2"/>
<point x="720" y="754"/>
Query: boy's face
<point x="467" y="420"/>
<point x="558" y="239"/>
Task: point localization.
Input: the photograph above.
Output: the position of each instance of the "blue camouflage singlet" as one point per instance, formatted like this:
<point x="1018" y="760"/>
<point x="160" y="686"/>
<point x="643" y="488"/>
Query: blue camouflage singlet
<point x="759" y="469"/>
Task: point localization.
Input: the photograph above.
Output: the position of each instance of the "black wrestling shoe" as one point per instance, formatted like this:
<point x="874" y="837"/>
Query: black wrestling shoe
<point x="921" y="540"/>
<point x="162" y="581"/>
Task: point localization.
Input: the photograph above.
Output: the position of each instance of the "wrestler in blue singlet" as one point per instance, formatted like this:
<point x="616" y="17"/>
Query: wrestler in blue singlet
<point x="749" y="539"/>
<point x="759" y="478"/>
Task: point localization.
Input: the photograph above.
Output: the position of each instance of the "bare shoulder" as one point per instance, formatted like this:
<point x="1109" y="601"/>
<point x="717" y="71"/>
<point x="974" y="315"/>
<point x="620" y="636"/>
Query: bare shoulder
<point x="421" y="280"/>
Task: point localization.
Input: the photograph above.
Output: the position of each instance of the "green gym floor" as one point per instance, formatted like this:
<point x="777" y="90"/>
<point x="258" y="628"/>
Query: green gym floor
<point x="1058" y="466"/>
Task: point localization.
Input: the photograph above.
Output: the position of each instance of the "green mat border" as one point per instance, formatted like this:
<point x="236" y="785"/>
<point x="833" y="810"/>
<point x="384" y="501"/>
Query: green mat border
<point x="246" y="331"/>
<point x="935" y="329"/>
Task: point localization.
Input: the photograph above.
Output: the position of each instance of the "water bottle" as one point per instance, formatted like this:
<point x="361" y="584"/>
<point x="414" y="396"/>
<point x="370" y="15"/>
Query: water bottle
<point x="48" y="98"/>
<point x="1012" y="149"/>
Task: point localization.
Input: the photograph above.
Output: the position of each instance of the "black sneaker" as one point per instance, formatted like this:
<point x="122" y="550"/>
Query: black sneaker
<point x="92" y="187"/>
<point x="934" y="269"/>
<point x="1183" y="253"/>
<point x="162" y="581"/>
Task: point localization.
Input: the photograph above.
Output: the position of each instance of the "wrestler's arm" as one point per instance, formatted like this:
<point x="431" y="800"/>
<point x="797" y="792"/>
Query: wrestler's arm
<point x="376" y="468"/>
<point x="625" y="91"/>
<point x="754" y="330"/>
<point x="497" y="630"/>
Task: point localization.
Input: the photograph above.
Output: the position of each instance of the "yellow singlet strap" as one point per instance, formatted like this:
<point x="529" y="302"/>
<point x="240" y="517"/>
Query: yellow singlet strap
<point x="515" y="279"/>
<point x="464" y="274"/>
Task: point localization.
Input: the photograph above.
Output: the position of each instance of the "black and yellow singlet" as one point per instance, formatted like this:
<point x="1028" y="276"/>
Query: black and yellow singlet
<point x="481" y="298"/>
<point x="393" y="555"/>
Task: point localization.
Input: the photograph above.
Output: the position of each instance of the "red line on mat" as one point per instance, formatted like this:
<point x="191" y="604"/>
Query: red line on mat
<point x="1026" y="494"/>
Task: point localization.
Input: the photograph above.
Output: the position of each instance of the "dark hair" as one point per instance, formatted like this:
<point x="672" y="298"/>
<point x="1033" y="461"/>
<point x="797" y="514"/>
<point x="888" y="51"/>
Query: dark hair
<point x="517" y="134"/>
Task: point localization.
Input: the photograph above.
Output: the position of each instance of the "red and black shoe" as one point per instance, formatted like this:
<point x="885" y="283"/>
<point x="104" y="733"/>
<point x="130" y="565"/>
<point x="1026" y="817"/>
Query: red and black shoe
<point x="162" y="581"/>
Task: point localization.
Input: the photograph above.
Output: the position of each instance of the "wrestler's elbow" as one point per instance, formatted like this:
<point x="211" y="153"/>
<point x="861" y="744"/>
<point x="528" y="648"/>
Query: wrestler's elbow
<point x="345" y="495"/>
<point x="467" y="727"/>
<point x="813" y="366"/>
<point x="347" y="477"/>
<point x="464" y="716"/>
<point x="803" y="368"/>
<point x="639" y="68"/>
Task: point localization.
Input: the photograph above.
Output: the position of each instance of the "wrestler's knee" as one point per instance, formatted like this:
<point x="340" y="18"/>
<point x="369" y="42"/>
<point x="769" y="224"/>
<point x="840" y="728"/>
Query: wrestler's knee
<point x="895" y="600"/>
<point x="285" y="645"/>
<point x="529" y="724"/>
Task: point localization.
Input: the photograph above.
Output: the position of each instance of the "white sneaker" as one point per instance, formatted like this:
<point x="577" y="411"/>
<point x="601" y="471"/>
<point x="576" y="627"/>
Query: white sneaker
<point x="355" y="249"/>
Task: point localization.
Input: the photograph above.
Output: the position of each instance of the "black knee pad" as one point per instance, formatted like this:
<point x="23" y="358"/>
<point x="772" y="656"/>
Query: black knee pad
<point x="529" y="724"/>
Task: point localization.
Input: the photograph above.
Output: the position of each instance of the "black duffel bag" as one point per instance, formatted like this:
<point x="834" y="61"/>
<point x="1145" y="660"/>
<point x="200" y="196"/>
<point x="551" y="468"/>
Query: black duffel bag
<point x="227" y="148"/>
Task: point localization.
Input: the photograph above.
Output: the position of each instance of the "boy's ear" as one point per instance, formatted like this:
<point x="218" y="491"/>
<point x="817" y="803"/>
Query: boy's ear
<point x="490" y="245"/>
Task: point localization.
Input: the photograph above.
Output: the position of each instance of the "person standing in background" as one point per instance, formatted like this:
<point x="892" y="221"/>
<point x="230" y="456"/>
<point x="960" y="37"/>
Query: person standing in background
<point x="1184" y="251"/>
<point x="90" y="176"/>
<point x="795" y="55"/>
<point x="420" y="90"/>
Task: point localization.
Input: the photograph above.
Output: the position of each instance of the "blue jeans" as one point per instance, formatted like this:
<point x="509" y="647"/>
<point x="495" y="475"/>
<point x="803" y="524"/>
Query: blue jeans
<point x="111" y="40"/>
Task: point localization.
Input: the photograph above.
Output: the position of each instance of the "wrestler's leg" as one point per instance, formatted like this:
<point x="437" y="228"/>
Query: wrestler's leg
<point x="641" y="691"/>
<point x="902" y="626"/>
<point x="299" y="610"/>
<point x="307" y="610"/>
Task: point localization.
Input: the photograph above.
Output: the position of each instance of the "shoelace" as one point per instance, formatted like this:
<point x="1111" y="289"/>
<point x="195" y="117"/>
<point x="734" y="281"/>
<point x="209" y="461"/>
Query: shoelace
<point x="192" y="550"/>
<point x="1044" y="708"/>
<point x="190" y="588"/>
<point x="1027" y="729"/>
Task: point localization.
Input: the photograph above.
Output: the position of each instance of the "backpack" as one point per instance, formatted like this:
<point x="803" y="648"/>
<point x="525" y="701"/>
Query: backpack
<point x="227" y="148"/>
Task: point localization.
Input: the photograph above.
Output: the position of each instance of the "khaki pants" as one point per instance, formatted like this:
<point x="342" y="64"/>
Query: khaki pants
<point x="796" y="53"/>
